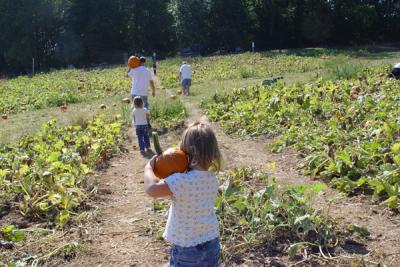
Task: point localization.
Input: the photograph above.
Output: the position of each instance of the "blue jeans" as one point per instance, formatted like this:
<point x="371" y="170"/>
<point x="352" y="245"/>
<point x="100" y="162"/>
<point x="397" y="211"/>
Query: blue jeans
<point x="144" y="98"/>
<point x="202" y="255"/>
<point x="186" y="82"/>
<point x="142" y="132"/>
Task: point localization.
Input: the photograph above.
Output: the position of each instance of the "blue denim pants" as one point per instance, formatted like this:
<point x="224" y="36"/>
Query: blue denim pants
<point x="203" y="255"/>
<point x="142" y="132"/>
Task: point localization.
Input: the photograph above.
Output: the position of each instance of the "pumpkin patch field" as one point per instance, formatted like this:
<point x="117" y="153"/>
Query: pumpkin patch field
<point x="59" y="88"/>
<point x="243" y="66"/>
<point x="310" y="140"/>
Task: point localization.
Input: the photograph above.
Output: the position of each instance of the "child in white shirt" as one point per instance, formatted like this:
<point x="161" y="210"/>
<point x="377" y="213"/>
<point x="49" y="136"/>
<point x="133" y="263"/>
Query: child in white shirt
<point x="192" y="225"/>
<point x="140" y="118"/>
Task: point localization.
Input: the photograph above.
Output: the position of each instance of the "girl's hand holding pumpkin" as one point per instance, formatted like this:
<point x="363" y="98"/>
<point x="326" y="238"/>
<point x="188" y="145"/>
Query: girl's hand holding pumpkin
<point x="153" y="185"/>
<point x="152" y="161"/>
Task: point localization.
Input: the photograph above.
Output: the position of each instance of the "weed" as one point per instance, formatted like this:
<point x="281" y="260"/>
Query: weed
<point x="348" y="129"/>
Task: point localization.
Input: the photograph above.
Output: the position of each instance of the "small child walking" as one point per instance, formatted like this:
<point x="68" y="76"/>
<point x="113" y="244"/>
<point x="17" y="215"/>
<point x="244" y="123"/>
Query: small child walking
<point x="192" y="225"/>
<point x="140" y="118"/>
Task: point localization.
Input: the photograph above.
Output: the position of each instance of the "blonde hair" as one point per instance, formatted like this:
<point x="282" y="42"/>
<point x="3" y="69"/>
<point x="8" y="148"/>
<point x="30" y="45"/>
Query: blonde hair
<point x="201" y="145"/>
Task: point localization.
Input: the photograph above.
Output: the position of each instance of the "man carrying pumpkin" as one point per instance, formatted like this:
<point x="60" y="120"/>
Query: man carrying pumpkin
<point x="141" y="79"/>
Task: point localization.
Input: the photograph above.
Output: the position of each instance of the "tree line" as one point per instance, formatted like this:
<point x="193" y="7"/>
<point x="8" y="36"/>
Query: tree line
<point x="57" y="33"/>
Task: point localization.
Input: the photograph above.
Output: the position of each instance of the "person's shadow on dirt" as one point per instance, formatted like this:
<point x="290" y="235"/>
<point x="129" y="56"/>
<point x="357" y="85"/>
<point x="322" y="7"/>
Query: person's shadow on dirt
<point x="148" y="154"/>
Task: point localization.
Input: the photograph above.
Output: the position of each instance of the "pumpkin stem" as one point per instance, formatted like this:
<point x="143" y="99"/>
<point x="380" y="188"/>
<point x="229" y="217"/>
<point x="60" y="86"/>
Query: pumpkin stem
<point x="156" y="143"/>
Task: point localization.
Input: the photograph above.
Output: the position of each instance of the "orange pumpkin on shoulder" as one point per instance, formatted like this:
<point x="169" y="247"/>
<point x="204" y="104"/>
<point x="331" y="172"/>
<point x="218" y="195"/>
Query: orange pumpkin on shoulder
<point x="169" y="162"/>
<point x="133" y="62"/>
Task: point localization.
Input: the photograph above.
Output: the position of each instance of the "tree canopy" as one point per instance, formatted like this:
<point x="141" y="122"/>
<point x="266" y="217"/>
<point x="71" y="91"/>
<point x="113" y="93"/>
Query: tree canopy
<point x="62" y="32"/>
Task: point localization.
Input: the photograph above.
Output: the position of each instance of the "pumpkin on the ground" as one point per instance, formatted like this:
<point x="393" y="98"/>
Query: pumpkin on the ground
<point x="173" y="97"/>
<point x="4" y="116"/>
<point x="171" y="161"/>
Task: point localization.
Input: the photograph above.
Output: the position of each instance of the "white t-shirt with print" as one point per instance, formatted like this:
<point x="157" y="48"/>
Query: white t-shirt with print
<point x="139" y="116"/>
<point x="185" y="70"/>
<point x="141" y="78"/>
<point x="192" y="219"/>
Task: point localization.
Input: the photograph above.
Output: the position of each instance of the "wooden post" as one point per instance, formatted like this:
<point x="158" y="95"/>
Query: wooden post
<point x="33" y="66"/>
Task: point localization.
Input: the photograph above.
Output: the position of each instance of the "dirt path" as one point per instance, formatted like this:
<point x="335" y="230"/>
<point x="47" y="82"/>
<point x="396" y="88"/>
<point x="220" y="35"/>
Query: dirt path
<point x="118" y="237"/>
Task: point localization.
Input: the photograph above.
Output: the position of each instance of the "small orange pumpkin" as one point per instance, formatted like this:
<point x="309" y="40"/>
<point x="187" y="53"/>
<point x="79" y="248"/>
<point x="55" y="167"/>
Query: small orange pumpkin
<point x="4" y="116"/>
<point x="169" y="162"/>
<point x="133" y="62"/>
<point x="179" y="92"/>
<point x="173" y="97"/>
<point x="64" y="108"/>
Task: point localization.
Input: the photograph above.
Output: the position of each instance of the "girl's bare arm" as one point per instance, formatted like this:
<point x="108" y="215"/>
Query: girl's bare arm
<point x="154" y="187"/>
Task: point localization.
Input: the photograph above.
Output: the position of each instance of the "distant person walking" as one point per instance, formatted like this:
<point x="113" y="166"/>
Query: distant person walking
<point x="396" y="71"/>
<point x="141" y="79"/>
<point x="154" y="61"/>
<point x="185" y="78"/>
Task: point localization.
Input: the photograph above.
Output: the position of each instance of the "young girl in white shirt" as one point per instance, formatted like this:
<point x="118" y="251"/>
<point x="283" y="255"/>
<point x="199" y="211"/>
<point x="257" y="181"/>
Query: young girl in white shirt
<point x="140" y="117"/>
<point x="192" y="225"/>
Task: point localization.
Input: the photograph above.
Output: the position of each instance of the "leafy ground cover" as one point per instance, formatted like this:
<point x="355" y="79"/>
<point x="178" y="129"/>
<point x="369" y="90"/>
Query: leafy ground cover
<point x="47" y="180"/>
<point x="259" y="217"/>
<point x="45" y="175"/>
<point x="256" y="215"/>
<point x="48" y="177"/>
<point x="348" y="130"/>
